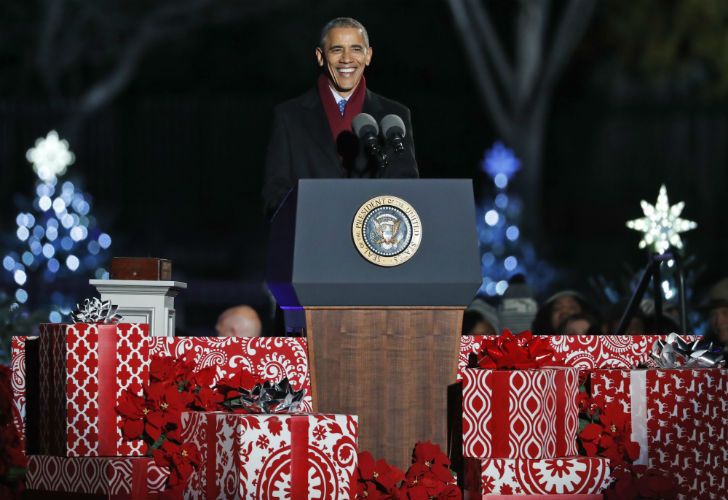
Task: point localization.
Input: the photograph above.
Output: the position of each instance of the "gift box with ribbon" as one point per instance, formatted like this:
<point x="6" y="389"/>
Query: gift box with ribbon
<point x="120" y="478"/>
<point x="269" y="358"/>
<point x="679" y="417"/>
<point x="271" y="456"/>
<point x="489" y="477"/>
<point x="82" y="371"/>
<point x="516" y="407"/>
<point x="17" y="381"/>
<point x="578" y="351"/>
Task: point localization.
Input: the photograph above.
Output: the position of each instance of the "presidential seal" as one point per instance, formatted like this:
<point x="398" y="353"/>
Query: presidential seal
<point x="386" y="231"/>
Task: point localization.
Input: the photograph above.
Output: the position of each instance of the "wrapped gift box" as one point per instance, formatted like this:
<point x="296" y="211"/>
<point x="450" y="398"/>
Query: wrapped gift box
<point x="581" y="351"/>
<point x="679" y="418"/>
<point x="83" y="370"/>
<point x="272" y="456"/>
<point x="127" y="477"/>
<point x="17" y="381"/>
<point x="271" y="358"/>
<point x="520" y="413"/>
<point x="488" y="477"/>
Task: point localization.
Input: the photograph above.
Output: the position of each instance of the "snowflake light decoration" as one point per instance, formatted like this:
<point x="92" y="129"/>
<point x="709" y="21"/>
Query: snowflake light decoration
<point x="661" y="226"/>
<point x="50" y="156"/>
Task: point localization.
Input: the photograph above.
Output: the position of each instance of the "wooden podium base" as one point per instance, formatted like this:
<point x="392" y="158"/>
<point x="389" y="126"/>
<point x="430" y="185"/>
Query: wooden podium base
<point x="390" y="366"/>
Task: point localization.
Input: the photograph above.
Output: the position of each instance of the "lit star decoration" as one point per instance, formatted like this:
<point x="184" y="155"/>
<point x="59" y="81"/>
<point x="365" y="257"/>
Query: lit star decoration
<point x="661" y="226"/>
<point x="50" y="156"/>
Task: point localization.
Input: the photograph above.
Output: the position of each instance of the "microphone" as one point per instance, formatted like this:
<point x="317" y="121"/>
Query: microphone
<point x="394" y="131"/>
<point x="366" y="129"/>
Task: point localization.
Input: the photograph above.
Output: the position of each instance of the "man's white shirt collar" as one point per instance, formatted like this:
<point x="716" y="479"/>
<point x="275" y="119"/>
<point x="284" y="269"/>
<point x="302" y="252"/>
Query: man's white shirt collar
<point x="336" y="95"/>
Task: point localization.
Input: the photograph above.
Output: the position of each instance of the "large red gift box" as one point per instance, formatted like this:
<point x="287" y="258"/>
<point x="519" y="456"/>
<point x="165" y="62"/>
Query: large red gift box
<point x="520" y="413"/>
<point x="125" y="477"/>
<point x="680" y="419"/>
<point x="272" y="456"/>
<point x="83" y="371"/>
<point x="270" y="358"/>
<point x="580" y="351"/>
<point x="552" y="476"/>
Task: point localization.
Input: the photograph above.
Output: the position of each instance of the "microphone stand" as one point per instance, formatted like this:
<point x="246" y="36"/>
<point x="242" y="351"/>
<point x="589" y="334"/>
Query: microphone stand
<point x="652" y="271"/>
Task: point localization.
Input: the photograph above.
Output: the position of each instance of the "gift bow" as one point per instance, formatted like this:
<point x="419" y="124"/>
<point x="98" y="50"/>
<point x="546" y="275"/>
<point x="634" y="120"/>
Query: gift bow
<point x="95" y="311"/>
<point x="269" y="397"/>
<point x="517" y="352"/>
<point x="674" y="352"/>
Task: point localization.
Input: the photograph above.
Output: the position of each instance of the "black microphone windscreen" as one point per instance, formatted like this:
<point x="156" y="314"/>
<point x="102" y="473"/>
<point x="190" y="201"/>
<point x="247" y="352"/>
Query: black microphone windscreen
<point x="364" y="123"/>
<point x="392" y="124"/>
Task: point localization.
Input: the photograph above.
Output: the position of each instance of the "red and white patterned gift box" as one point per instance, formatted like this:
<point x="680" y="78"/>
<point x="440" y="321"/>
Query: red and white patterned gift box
<point x="17" y="381"/>
<point x="580" y="351"/>
<point x="520" y="413"/>
<point x="551" y="476"/>
<point x="270" y="358"/>
<point x="83" y="371"/>
<point x="127" y="477"/>
<point x="272" y="456"/>
<point x="680" y="419"/>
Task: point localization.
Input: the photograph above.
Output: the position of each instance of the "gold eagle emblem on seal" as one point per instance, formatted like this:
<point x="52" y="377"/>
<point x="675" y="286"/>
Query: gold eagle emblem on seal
<point x="387" y="231"/>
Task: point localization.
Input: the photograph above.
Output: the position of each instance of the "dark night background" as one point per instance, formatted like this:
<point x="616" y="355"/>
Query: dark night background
<point x="174" y="162"/>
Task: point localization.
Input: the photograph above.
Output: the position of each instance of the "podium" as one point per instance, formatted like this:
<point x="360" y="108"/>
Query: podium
<point x="383" y="330"/>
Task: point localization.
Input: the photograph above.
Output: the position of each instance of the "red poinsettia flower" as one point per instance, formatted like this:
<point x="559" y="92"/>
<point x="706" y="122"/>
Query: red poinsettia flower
<point x="133" y="410"/>
<point x="231" y="386"/>
<point x="378" y="472"/>
<point x="182" y="460"/>
<point x="611" y="437"/>
<point x="429" y="461"/>
<point x="167" y="403"/>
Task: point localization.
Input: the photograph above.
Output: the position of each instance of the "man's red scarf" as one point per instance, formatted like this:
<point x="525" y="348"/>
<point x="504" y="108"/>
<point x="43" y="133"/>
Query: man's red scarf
<point x="354" y="105"/>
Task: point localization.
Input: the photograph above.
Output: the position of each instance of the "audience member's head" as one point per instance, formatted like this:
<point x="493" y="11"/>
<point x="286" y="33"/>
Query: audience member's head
<point x="480" y="318"/>
<point x="239" y="321"/>
<point x="717" y="306"/>
<point x="579" y="324"/>
<point x="556" y="309"/>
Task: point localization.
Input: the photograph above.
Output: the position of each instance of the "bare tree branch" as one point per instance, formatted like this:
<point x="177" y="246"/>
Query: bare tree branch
<point x="44" y="61"/>
<point x="484" y="28"/>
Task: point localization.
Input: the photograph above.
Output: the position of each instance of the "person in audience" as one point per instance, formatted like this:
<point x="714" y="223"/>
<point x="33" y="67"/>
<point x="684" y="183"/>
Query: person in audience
<point x="717" y="306"/>
<point x="660" y="325"/>
<point x="579" y="324"/>
<point x="480" y="318"/>
<point x="239" y="321"/>
<point x="557" y="308"/>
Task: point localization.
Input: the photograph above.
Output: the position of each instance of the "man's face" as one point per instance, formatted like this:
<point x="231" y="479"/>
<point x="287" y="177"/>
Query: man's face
<point x="345" y="56"/>
<point x="719" y="323"/>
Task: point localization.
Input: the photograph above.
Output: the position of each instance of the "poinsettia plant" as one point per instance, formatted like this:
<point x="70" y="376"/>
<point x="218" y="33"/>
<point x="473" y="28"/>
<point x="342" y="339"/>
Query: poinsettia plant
<point x="605" y="430"/>
<point x="428" y="478"/>
<point x="12" y="459"/>
<point x="515" y="352"/>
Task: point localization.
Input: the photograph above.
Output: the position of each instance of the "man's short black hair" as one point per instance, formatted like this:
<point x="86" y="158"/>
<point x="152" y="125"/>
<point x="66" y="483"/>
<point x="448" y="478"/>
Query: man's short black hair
<point x="343" y="22"/>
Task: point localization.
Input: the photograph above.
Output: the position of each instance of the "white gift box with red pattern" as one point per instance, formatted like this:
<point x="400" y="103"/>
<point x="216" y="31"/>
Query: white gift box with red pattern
<point x="520" y="413"/>
<point x="580" y="351"/>
<point x="17" y="381"/>
<point x="272" y="456"/>
<point x="679" y="417"/>
<point x="551" y="476"/>
<point x="83" y="371"/>
<point x="270" y="358"/>
<point x="125" y="477"/>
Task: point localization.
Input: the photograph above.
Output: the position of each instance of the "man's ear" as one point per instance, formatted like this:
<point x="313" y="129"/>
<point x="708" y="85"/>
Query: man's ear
<point x="319" y="56"/>
<point x="370" y="51"/>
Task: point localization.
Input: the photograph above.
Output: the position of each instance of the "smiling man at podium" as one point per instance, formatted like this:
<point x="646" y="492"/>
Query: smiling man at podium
<point x="316" y="135"/>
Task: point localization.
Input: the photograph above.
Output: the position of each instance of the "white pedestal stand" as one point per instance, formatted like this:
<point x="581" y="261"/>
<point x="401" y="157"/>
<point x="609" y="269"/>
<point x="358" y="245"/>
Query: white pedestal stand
<point x="142" y="301"/>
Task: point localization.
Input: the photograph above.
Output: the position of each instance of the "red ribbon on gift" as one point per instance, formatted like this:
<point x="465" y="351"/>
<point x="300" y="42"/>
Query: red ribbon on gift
<point x="516" y="352"/>
<point x="107" y="362"/>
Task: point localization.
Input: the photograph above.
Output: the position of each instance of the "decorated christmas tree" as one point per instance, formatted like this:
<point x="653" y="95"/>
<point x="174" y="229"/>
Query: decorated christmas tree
<point x="504" y="250"/>
<point x="55" y="237"/>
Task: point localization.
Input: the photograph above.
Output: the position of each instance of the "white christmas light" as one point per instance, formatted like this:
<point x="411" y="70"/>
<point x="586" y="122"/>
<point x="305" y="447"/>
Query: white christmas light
<point x="661" y="226"/>
<point x="50" y="156"/>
